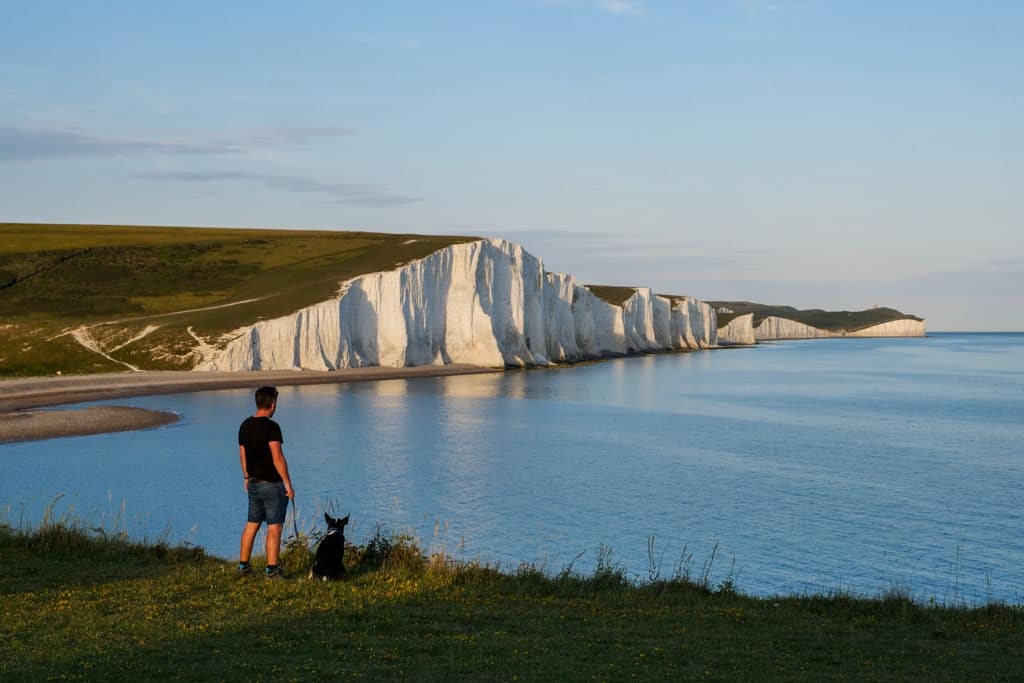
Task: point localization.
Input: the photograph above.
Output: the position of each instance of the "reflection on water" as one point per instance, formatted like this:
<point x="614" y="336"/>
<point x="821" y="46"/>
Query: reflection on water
<point x="813" y="466"/>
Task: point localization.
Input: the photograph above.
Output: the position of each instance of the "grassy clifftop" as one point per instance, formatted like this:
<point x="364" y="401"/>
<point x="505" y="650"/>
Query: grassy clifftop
<point x="124" y="281"/>
<point x="833" y="321"/>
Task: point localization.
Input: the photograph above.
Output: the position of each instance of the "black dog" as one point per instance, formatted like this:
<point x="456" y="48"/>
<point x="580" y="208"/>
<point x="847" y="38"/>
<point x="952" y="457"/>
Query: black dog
<point x="329" y="564"/>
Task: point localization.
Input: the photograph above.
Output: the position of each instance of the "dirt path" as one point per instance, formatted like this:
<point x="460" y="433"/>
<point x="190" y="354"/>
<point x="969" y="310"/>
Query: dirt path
<point x="84" y="338"/>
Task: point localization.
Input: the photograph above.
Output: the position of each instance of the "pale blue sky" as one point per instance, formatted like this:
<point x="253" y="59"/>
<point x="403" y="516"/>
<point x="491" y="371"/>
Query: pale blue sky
<point x="817" y="153"/>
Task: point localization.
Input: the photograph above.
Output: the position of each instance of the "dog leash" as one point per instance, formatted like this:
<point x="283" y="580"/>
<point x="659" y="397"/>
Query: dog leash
<point x="295" y="526"/>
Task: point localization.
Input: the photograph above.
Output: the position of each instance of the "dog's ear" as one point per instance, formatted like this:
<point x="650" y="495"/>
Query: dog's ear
<point x="327" y="518"/>
<point x="343" y="522"/>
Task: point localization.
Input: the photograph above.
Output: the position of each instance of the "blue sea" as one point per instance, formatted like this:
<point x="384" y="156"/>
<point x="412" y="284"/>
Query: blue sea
<point x="854" y="465"/>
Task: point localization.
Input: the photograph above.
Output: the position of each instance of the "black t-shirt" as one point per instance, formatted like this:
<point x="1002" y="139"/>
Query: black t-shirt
<point x="255" y="434"/>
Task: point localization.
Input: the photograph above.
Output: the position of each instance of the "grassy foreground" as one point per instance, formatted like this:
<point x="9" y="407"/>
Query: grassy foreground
<point x="79" y="604"/>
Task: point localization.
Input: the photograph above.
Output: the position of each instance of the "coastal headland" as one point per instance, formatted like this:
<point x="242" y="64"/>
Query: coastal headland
<point x="93" y="313"/>
<point x="26" y="404"/>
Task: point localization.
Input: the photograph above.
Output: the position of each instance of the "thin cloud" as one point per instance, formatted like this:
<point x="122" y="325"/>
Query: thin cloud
<point x="24" y="143"/>
<point x="244" y="139"/>
<point x="352" y="194"/>
<point x="622" y="7"/>
<point x="20" y="143"/>
<point x="278" y="181"/>
<point x="291" y="134"/>
<point x="773" y="6"/>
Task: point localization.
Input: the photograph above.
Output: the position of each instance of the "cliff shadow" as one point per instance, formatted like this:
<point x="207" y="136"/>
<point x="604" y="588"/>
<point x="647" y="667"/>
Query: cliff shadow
<point x="426" y="316"/>
<point x="360" y="326"/>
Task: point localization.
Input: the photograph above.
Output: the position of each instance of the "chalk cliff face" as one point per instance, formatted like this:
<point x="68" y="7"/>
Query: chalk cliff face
<point x="486" y="303"/>
<point x="773" y="328"/>
<point x="739" y="331"/>
<point x="783" y="328"/>
<point x="893" y="328"/>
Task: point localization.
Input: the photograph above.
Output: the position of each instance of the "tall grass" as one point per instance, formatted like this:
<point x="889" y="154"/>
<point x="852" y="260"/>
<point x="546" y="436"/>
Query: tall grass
<point x="68" y="534"/>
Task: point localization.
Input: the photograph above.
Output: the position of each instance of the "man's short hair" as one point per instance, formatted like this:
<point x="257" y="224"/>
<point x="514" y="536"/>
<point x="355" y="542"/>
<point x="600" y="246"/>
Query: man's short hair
<point x="266" y="397"/>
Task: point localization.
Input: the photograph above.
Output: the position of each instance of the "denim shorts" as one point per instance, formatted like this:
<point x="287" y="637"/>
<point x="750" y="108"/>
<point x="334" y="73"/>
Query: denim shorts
<point x="268" y="502"/>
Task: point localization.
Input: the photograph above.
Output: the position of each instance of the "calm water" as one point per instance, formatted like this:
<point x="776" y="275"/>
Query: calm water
<point x="860" y="465"/>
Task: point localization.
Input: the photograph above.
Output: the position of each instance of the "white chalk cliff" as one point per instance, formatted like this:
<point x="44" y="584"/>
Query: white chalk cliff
<point x="741" y="330"/>
<point x="773" y="328"/>
<point x="893" y="328"/>
<point x="487" y="303"/>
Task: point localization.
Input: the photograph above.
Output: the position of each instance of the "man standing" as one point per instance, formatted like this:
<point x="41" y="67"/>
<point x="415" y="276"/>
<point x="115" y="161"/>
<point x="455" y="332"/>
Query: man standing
<point x="265" y="472"/>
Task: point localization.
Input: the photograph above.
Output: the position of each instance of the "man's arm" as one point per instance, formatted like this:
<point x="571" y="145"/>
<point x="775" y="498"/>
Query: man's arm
<point x="281" y="465"/>
<point x="241" y="458"/>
